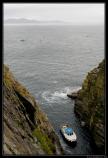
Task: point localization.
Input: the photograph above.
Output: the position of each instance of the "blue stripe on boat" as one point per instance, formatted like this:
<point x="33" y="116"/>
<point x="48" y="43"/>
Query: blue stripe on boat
<point x="68" y="130"/>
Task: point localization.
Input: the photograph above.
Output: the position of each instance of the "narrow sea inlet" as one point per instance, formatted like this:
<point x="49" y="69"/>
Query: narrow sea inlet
<point x="52" y="61"/>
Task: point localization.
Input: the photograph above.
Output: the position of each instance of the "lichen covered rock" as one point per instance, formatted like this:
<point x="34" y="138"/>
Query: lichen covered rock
<point x="26" y="129"/>
<point x="90" y="104"/>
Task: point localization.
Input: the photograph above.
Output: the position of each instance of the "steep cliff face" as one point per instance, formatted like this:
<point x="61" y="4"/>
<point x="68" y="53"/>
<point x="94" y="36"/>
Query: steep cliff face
<point x="90" y="104"/>
<point x="26" y="129"/>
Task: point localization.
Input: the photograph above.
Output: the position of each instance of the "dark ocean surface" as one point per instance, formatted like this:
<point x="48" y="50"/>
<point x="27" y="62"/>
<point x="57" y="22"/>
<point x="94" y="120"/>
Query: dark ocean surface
<point x="51" y="62"/>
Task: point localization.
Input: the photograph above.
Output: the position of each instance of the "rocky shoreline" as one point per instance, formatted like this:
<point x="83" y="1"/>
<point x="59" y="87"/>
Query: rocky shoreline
<point x="90" y="105"/>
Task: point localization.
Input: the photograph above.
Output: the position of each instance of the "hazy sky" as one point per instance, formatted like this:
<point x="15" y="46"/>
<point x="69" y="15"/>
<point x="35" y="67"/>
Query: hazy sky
<point x="76" y="13"/>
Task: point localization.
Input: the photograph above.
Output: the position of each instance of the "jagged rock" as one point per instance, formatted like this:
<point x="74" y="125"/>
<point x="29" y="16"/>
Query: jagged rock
<point x="72" y="95"/>
<point x="90" y="104"/>
<point x="26" y="129"/>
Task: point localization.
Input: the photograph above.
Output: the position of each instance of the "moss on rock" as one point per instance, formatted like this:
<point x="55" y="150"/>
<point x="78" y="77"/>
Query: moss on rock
<point x="45" y="141"/>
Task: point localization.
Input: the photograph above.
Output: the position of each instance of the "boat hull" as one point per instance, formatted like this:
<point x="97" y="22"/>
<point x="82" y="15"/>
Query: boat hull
<point x="69" y="139"/>
<point x="71" y="143"/>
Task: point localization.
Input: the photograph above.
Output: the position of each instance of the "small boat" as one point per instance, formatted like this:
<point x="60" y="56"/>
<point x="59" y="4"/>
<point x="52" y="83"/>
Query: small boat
<point x="68" y="133"/>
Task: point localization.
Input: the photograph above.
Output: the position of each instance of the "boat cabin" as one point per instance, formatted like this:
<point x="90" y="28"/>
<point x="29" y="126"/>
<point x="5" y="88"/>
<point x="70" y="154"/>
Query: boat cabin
<point x="68" y="131"/>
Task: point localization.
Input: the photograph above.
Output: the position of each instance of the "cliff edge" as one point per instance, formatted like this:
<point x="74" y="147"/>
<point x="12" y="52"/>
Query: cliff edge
<point x="90" y="104"/>
<point x="26" y="129"/>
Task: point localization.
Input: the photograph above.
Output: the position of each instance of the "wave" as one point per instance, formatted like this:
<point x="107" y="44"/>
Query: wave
<point x="53" y="63"/>
<point x="73" y="89"/>
<point x="30" y="74"/>
<point x="58" y="95"/>
<point x="55" y="81"/>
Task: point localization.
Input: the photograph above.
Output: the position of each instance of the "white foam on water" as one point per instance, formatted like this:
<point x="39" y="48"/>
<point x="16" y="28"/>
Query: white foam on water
<point x="59" y="95"/>
<point x="55" y="81"/>
<point x="45" y="95"/>
<point x="73" y="89"/>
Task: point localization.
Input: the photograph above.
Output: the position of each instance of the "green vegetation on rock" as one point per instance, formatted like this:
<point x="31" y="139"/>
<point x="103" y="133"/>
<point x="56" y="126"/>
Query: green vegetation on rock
<point x="45" y="142"/>
<point x="90" y="103"/>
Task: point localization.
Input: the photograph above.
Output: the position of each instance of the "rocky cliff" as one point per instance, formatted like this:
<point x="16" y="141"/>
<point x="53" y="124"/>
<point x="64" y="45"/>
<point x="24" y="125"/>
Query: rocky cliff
<point x="90" y="104"/>
<point x="26" y="129"/>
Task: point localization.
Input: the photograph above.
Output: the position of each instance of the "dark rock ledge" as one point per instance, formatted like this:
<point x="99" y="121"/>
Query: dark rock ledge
<point x="73" y="95"/>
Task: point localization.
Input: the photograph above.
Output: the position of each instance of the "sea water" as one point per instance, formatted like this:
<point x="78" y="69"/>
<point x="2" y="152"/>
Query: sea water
<point x="52" y="61"/>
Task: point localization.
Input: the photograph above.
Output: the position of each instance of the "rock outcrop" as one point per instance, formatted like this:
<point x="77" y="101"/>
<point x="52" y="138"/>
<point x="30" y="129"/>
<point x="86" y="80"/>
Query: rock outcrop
<point x="72" y="95"/>
<point x="26" y="129"/>
<point x="90" y="104"/>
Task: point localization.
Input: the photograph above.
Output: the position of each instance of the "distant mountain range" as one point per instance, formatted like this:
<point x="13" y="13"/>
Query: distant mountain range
<point x="30" y="21"/>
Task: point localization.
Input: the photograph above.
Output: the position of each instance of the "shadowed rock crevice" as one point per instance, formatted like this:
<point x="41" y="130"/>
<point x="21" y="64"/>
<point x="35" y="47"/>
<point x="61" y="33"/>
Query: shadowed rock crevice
<point x="27" y="110"/>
